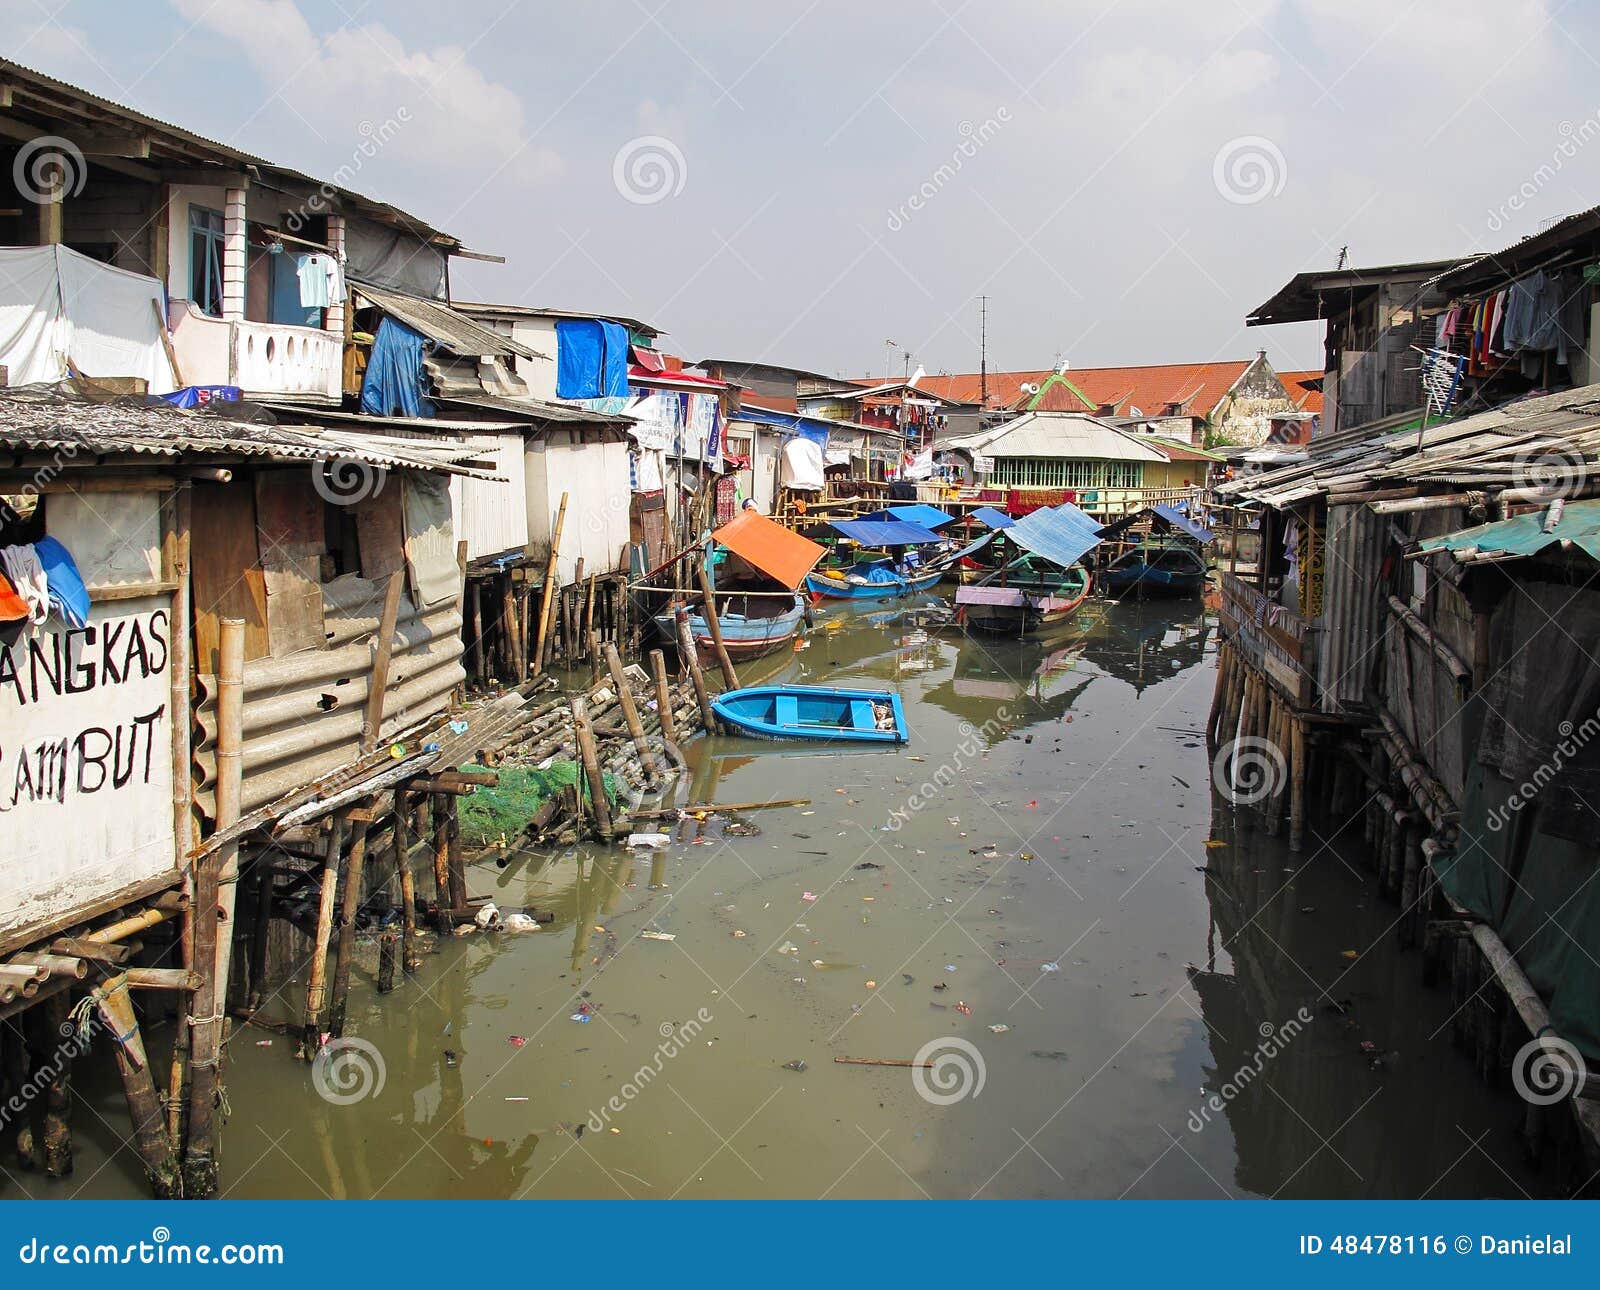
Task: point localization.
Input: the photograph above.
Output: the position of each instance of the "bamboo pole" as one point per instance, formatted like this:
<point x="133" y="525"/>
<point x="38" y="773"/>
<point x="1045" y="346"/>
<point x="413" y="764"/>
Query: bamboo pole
<point x="382" y="651"/>
<point x="630" y="715"/>
<point x="730" y="678"/>
<point x="550" y="579"/>
<point x="409" y="958"/>
<point x="588" y="616"/>
<point x="216" y="889"/>
<point x="1297" y="783"/>
<point x="150" y="1136"/>
<point x="477" y="630"/>
<point x="658" y="666"/>
<point x="599" y="802"/>
<point x="691" y="662"/>
<point x="455" y="867"/>
<point x="570" y="613"/>
<point x="354" y="871"/>
<point x="316" y="987"/>
<point x="441" y="859"/>
<point x="176" y="565"/>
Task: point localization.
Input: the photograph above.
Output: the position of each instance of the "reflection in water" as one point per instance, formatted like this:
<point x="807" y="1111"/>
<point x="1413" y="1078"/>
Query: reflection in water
<point x="1024" y="877"/>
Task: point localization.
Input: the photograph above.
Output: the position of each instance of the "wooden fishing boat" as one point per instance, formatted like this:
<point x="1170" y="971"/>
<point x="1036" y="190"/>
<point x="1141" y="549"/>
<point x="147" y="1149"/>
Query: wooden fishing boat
<point x="1028" y="596"/>
<point x="1157" y="567"/>
<point x="875" y="582"/>
<point x="751" y="626"/>
<point x="814" y="712"/>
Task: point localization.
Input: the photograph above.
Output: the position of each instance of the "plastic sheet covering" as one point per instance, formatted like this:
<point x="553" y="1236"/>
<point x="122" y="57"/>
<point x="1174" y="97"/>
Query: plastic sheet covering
<point x="993" y="518"/>
<point x="800" y="464"/>
<point x="930" y="517"/>
<point x="430" y="539"/>
<point x="395" y="381"/>
<point x="780" y="553"/>
<point x="1524" y="535"/>
<point x="1173" y="516"/>
<point x="881" y="533"/>
<point x="394" y="259"/>
<point x="58" y="307"/>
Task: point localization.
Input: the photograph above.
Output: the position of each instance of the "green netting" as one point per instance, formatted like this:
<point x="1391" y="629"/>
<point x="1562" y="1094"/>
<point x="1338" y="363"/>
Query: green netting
<point x="505" y="808"/>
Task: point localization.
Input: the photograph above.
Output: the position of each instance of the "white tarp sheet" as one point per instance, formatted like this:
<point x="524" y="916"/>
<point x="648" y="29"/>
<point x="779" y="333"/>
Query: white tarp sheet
<point x="59" y="307"/>
<point x="800" y="464"/>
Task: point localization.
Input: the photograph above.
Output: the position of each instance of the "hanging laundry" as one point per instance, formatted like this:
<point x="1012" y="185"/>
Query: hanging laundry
<point x="27" y="577"/>
<point x="14" y="611"/>
<point x="396" y="383"/>
<point x="321" y="280"/>
<point x="68" y="596"/>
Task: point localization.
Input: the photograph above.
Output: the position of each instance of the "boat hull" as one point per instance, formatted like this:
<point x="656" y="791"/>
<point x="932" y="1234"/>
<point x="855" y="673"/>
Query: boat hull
<point x="814" y="713"/>
<point x="1149" y="580"/>
<point x="1010" y="611"/>
<point x="833" y="588"/>
<point x="742" y="637"/>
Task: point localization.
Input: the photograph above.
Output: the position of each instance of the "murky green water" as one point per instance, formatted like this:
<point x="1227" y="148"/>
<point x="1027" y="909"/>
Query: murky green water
<point x="1018" y="891"/>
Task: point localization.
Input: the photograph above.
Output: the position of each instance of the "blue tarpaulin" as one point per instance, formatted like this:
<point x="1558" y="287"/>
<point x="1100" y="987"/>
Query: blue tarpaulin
<point x="1054" y="534"/>
<point x="394" y="383"/>
<point x="995" y="519"/>
<point x="591" y="359"/>
<point x="969" y="549"/>
<point x="876" y="533"/>
<point x="198" y="396"/>
<point x="1078" y="516"/>
<point x="930" y="517"/>
<point x="1183" y="523"/>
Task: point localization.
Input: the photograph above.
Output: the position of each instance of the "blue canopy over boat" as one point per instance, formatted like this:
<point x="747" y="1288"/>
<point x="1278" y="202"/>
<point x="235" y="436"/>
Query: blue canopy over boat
<point x="995" y="519"/>
<point x="930" y="517"/>
<point x="1056" y="534"/>
<point x="969" y="549"/>
<point x="877" y="533"/>
<point x="1183" y="523"/>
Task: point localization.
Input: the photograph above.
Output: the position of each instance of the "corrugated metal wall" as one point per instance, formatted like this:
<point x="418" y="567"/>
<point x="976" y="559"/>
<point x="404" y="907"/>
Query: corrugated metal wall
<point x="492" y="518"/>
<point x="303" y="713"/>
<point x="594" y="475"/>
<point x="1348" y="631"/>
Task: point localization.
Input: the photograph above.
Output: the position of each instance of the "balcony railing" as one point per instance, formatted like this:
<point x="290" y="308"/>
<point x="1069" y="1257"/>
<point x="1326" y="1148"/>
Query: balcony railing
<point x="265" y="360"/>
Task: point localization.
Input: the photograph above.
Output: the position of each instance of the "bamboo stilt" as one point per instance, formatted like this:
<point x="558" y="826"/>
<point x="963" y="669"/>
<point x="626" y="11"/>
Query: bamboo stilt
<point x="316" y="987"/>
<point x="1297" y="783"/>
<point x="599" y="802"/>
<point x="409" y="958"/>
<point x="730" y="678"/>
<point x="630" y="715"/>
<point x="658" y="666"/>
<point x="150" y="1136"/>
<point x="551" y="578"/>
<point x="354" y="871"/>
<point x="691" y="661"/>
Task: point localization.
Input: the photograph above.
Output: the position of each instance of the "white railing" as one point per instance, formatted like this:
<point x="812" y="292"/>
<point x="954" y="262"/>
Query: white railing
<point x="265" y="360"/>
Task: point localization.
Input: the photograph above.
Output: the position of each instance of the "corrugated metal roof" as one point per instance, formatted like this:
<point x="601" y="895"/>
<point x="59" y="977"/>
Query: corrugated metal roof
<point x="484" y="309"/>
<point x="1524" y="535"/>
<point x="450" y="327"/>
<point x="1067" y="435"/>
<point x="46" y="419"/>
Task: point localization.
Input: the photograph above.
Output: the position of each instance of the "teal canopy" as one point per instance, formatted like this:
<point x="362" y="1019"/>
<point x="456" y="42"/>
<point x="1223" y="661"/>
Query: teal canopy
<point x="1524" y="535"/>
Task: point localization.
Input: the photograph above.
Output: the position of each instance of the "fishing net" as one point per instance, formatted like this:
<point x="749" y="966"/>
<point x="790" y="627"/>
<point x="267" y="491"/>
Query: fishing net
<point x="504" y="809"/>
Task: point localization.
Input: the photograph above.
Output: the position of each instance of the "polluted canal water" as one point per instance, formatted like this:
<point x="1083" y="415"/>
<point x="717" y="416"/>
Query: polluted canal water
<point x="1119" y="984"/>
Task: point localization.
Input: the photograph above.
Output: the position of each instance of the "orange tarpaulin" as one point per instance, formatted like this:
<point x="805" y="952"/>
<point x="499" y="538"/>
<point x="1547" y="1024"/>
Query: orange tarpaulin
<point x="780" y="553"/>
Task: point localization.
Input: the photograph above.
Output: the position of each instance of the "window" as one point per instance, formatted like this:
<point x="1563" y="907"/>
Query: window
<point x="205" y="259"/>
<point x="1059" y="472"/>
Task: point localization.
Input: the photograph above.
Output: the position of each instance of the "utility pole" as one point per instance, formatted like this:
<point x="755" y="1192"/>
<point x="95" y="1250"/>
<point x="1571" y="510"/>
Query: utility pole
<point x="983" y="351"/>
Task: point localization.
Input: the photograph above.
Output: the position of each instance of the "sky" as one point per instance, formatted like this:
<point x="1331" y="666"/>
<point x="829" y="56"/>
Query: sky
<point x="834" y="185"/>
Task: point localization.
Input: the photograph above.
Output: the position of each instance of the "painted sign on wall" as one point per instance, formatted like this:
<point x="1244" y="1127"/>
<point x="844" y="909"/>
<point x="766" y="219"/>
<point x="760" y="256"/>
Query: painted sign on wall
<point x="85" y="759"/>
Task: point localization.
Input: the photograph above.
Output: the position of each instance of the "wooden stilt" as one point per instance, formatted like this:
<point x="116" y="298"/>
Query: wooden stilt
<point x="658" y="666"/>
<point x="1297" y="782"/>
<point x="730" y="678"/>
<point x="1214" y="718"/>
<point x="1272" y="807"/>
<point x="475" y="598"/>
<point x="455" y="864"/>
<point x="316" y="987"/>
<point x="552" y="580"/>
<point x="441" y="862"/>
<point x="508" y="624"/>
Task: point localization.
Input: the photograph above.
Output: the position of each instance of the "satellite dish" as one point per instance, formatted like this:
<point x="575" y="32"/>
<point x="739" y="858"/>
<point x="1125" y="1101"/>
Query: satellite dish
<point x="1030" y="387"/>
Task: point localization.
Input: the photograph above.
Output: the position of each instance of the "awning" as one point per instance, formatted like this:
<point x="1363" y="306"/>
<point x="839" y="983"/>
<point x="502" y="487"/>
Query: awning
<point x="876" y="533"/>
<point x="1055" y="535"/>
<point x="451" y="329"/>
<point x="780" y="553"/>
<point x="956" y="556"/>
<point x="930" y="517"/>
<point x="993" y="518"/>
<point x="1524" y="535"/>
<point x="1173" y="516"/>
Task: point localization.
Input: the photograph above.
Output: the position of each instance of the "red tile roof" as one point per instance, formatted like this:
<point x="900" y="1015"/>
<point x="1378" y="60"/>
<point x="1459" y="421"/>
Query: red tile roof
<point x="1198" y="386"/>
<point x="1309" y="400"/>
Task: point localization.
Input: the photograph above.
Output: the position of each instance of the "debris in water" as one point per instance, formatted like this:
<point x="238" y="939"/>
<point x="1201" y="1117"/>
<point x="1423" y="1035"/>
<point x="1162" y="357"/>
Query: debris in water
<point x="797" y="1065"/>
<point x="516" y="1041"/>
<point x="999" y="1029"/>
<point x="658" y="936"/>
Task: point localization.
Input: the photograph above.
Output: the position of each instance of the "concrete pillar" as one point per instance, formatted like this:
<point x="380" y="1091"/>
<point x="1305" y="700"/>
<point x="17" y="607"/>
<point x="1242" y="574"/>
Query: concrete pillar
<point x="335" y="312"/>
<point x="233" y="255"/>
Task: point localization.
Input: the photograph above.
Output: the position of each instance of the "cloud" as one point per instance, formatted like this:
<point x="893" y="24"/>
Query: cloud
<point x="343" y="83"/>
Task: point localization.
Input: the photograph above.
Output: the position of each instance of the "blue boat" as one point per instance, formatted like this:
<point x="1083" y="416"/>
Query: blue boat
<point x="814" y="712"/>
<point x="751" y="625"/>
<point x="1156" y="567"/>
<point x="877" y="582"/>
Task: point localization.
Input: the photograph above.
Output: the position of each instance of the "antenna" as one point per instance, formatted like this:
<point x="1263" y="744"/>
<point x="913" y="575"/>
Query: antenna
<point x="983" y="351"/>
